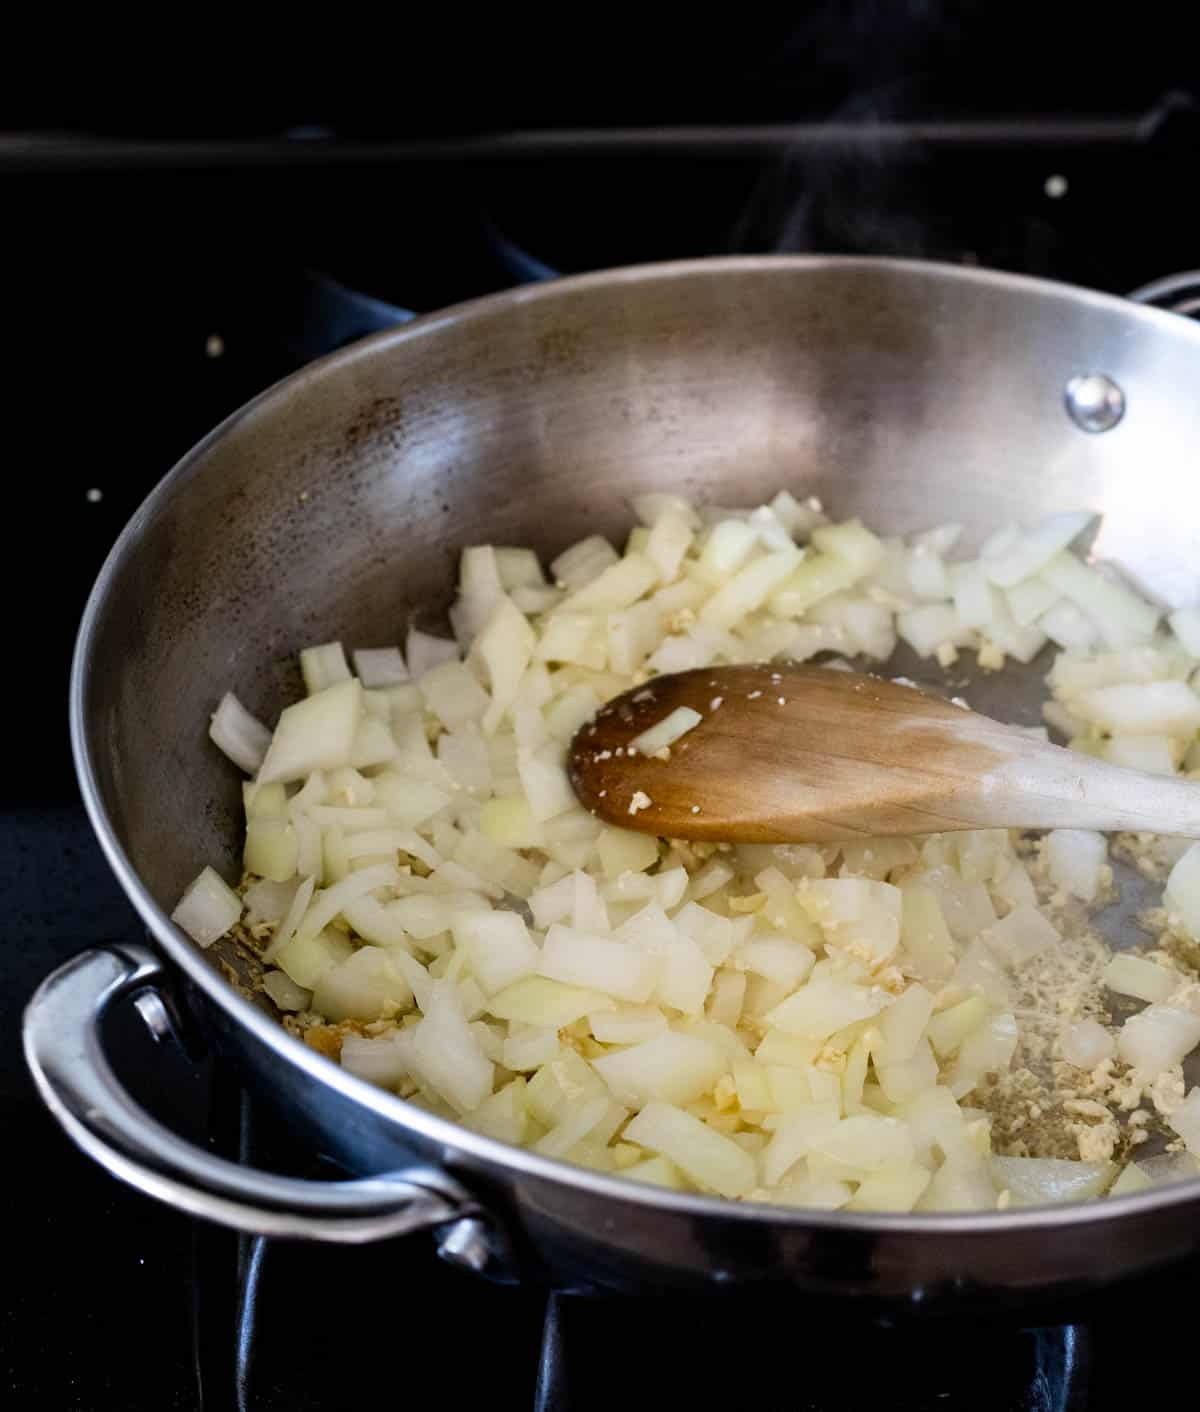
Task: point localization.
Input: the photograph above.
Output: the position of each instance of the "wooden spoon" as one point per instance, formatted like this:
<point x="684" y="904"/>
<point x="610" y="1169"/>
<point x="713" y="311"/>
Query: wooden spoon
<point x="799" y="754"/>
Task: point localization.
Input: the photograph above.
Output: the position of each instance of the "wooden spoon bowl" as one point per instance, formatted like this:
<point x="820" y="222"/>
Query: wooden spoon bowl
<point x="787" y="753"/>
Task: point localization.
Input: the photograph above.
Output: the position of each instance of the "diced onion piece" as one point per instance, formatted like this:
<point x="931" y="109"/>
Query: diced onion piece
<point x="267" y="901"/>
<point x="1166" y="707"/>
<point x="676" y="1068"/>
<point x="652" y="506"/>
<point x="528" y="1047"/>
<point x="538" y="1001"/>
<point x="959" y="1186"/>
<point x="903" y="1023"/>
<point x="726" y="998"/>
<point x="667" y="731"/>
<point x="583" y="562"/>
<point x="307" y="958"/>
<point x="271" y="850"/>
<point x="323" y="667"/>
<point x="317" y="733"/>
<point x="1158" y="1038"/>
<point x="575" y="1125"/>
<point x="948" y="1028"/>
<point x="241" y="736"/>
<point x="451" y="692"/>
<point x="1034" y="550"/>
<point x="423" y="652"/>
<point x="617" y="587"/>
<point x="630" y="1024"/>
<point x="706" y="1157"/>
<point x="749" y="588"/>
<point x="897" y="1188"/>
<point x="1087" y="1043"/>
<point x="502" y="1115"/>
<point x="1123" y="618"/>
<point x="1185" y="1121"/>
<point x="208" y="908"/>
<point x="597" y="963"/>
<point x="1028" y="601"/>
<point x="794" y="1136"/>
<point x="1022" y="935"/>
<point x="328" y="903"/>
<point x="714" y="935"/>
<point x="365" y="986"/>
<point x="926" y="629"/>
<point x="1074" y="860"/>
<point x="1183" y="889"/>
<point x="986" y="1050"/>
<point x="379" y="1060"/>
<point x="669" y="540"/>
<point x="779" y="958"/>
<point x="1042" y="1181"/>
<point x="903" y="1079"/>
<point x="505" y="647"/>
<point x="1170" y="1167"/>
<point x="866" y="1141"/>
<point x="620" y="851"/>
<point x="380" y="666"/>
<point x="822" y="1007"/>
<point x="498" y="948"/>
<point x="1132" y="975"/>
<point x="1069" y="627"/>
<point x="1155" y="754"/>
<point x="545" y="782"/>
<point x="1185" y="624"/>
<point x="448" y="1054"/>
<point x="1132" y="1179"/>
<point x="925" y="935"/>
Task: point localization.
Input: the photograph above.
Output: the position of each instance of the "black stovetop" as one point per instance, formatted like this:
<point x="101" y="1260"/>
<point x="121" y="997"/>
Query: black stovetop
<point x="150" y="296"/>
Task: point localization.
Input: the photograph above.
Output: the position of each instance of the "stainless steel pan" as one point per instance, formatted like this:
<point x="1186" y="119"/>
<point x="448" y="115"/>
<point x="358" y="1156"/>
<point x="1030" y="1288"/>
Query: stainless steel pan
<point x="336" y="503"/>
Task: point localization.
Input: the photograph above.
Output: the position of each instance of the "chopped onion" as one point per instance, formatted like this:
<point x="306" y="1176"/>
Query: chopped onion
<point x="595" y="962"/>
<point x="1034" y="550"/>
<point x="1158" y="1038"/>
<point x="1131" y="975"/>
<point x="676" y="1068"/>
<point x="708" y="1158"/>
<point x="795" y="1024"/>
<point x="667" y="731"/>
<point x="240" y="735"/>
<point x="1041" y="1181"/>
<point x="1086" y="1044"/>
<point x="380" y="666"/>
<point x="1183" y="889"/>
<point x="317" y="733"/>
<point x="1185" y="1121"/>
<point x="208" y="908"/>
<point x="1023" y="934"/>
<point x="323" y="666"/>
<point x="423" y="652"/>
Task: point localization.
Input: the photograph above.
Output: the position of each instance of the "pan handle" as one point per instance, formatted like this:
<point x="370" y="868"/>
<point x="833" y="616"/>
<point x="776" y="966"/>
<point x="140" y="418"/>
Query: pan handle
<point x="1178" y="294"/>
<point x="64" y="1051"/>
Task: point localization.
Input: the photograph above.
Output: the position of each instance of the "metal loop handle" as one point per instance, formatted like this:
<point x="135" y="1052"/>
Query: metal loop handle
<point x="65" y="1055"/>
<point x="1178" y="294"/>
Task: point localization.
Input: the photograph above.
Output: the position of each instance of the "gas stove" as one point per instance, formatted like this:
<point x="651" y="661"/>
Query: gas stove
<point x="156" y="286"/>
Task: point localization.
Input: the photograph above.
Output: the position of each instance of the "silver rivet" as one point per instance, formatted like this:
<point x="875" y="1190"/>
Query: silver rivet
<point x="95" y="495"/>
<point x="155" y="1014"/>
<point x="214" y="346"/>
<point x="1094" y="402"/>
<point x="465" y="1243"/>
<point x="1055" y="186"/>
